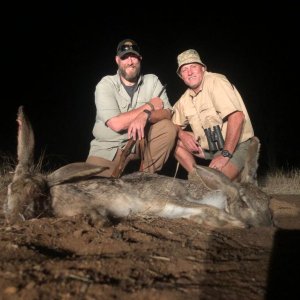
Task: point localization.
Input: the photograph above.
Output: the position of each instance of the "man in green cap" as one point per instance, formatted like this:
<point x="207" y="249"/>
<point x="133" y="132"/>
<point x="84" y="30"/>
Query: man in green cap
<point x="131" y="108"/>
<point x="214" y="110"/>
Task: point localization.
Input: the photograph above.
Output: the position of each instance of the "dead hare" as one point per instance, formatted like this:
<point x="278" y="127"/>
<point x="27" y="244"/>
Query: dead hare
<point x="207" y="197"/>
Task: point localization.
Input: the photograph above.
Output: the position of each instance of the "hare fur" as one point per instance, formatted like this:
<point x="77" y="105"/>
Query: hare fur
<point x="207" y="197"/>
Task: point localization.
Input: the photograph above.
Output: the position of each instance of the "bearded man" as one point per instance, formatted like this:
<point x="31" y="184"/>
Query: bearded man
<point x="131" y="106"/>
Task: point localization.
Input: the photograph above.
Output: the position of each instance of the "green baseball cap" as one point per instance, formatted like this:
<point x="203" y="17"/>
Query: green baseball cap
<point x="128" y="46"/>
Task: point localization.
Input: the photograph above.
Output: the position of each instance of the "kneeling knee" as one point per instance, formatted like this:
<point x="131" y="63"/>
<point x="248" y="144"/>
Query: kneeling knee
<point x="169" y="128"/>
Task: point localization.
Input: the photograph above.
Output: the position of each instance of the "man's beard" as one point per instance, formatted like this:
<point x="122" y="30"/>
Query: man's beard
<point x="133" y="76"/>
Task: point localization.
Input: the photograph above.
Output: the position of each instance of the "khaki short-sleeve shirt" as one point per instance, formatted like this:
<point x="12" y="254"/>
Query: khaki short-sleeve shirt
<point x="217" y="99"/>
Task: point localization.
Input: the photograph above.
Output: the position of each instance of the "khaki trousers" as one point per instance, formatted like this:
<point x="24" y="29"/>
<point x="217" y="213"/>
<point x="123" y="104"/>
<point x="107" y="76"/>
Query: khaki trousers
<point x="159" y="142"/>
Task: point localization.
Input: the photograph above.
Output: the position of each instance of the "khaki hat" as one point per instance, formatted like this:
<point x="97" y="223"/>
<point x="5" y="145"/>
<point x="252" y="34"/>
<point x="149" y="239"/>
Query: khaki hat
<point x="188" y="57"/>
<point x="128" y="46"/>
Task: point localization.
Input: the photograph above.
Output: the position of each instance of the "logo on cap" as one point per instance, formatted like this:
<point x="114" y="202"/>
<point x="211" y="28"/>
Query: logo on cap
<point x="128" y="46"/>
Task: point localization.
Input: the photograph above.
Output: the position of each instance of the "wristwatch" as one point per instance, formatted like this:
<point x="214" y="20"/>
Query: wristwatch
<point x="148" y="112"/>
<point x="226" y="153"/>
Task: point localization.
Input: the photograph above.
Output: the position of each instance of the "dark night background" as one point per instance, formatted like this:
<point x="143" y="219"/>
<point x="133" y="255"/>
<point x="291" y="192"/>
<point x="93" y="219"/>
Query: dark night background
<point x="54" y="55"/>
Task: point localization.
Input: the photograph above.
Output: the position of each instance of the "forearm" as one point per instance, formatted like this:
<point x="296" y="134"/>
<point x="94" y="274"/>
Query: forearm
<point x="180" y="131"/>
<point x="234" y="130"/>
<point x="158" y="115"/>
<point x="123" y="120"/>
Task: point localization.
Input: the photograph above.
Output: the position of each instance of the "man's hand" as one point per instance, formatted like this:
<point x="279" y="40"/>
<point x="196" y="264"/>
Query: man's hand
<point x="219" y="162"/>
<point x="190" y="143"/>
<point x="136" y="129"/>
<point x="157" y="103"/>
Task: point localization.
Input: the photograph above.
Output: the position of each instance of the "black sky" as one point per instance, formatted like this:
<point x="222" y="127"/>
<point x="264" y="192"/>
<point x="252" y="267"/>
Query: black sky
<point x="54" y="55"/>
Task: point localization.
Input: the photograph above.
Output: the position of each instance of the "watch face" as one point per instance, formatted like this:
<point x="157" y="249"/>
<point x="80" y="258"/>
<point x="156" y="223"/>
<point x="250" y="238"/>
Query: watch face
<point x="226" y="153"/>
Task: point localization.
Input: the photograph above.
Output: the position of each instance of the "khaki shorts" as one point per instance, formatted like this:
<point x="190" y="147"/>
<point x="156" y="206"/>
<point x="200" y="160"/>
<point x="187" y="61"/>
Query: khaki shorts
<point x="239" y="155"/>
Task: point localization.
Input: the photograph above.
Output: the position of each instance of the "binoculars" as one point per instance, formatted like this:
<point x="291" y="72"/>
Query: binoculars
<point x="214" y="138"/>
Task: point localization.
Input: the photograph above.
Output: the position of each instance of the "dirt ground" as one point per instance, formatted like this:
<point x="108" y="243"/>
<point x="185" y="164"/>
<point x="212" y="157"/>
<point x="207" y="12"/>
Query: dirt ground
<point x="69" y="258"/>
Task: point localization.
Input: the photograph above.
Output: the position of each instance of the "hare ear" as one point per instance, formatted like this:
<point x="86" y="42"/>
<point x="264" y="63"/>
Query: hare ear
<point x="25" y="145"/>
<point x="249" y="173"/>
<point x="73" y="172"/>
<point x="214" y="180"/>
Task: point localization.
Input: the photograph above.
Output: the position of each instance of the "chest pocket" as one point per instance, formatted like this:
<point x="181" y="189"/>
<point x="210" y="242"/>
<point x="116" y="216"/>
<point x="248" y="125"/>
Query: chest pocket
<point x="192" y="116"/>
<point x="208" y="115"/>
<point x="124" y="104"/>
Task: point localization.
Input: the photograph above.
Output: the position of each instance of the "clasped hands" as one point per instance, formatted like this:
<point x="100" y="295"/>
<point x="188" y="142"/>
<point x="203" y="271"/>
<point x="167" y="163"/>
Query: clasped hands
<point x="136" y="129"/>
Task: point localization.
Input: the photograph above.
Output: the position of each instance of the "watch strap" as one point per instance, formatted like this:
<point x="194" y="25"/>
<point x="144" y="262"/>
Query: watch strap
<point x="151" y="105"/>
<point x="148" y="112"/>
